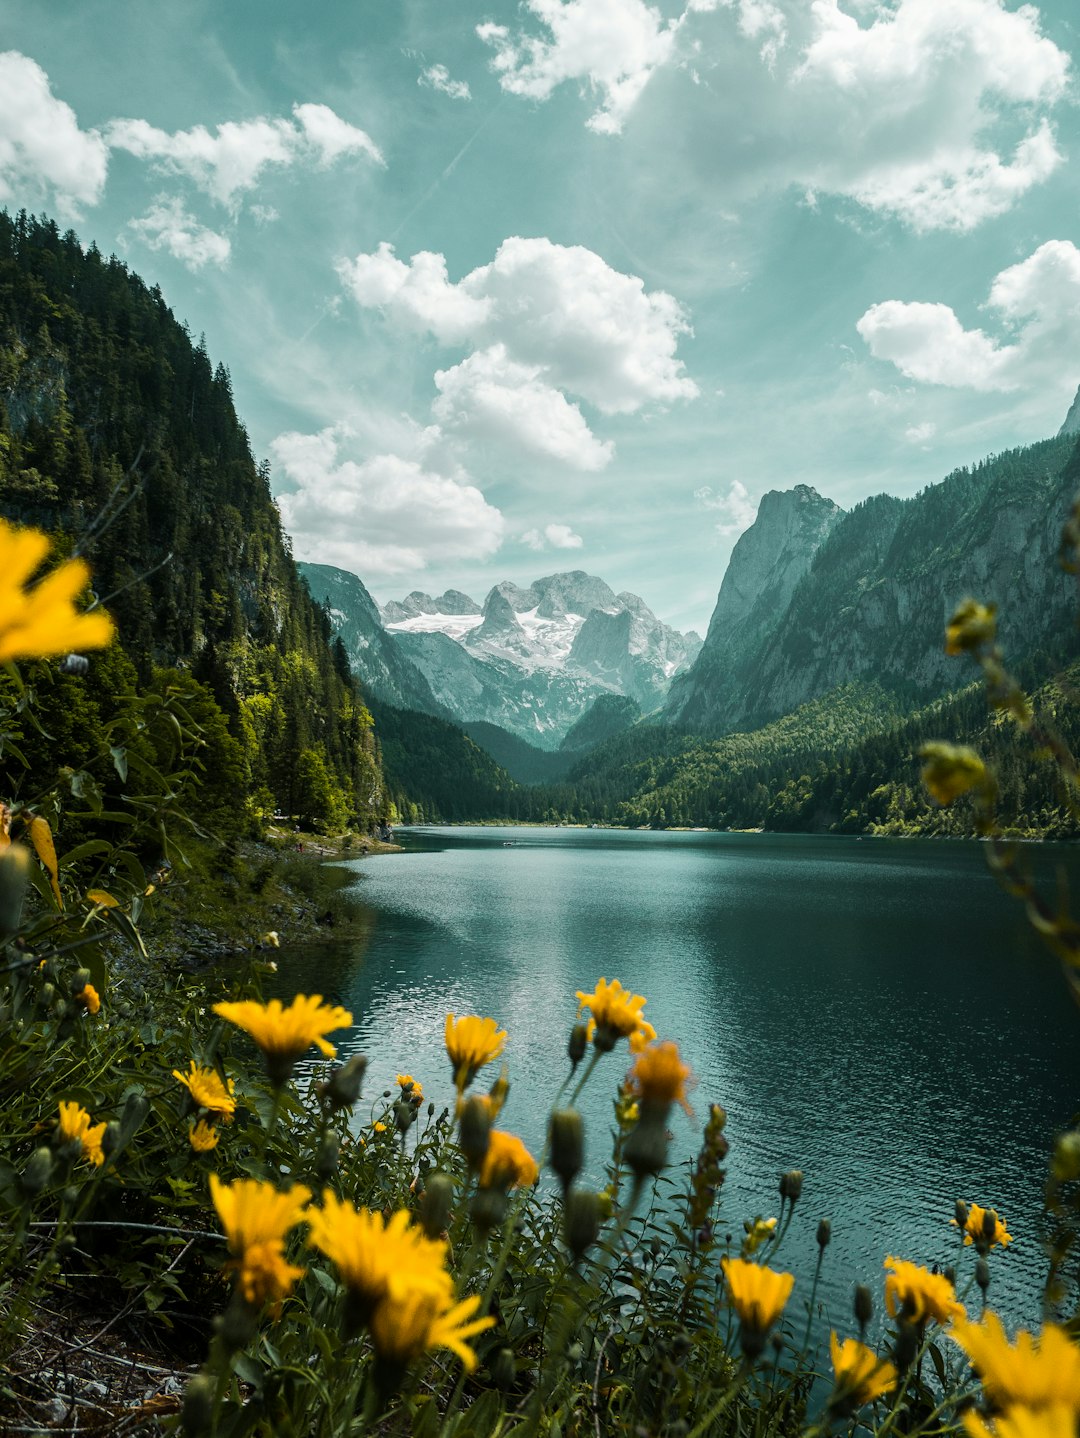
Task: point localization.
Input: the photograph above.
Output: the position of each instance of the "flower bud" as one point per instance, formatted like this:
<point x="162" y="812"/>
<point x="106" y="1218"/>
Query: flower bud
<point x="46" y="994"/>
<point x="237" y="1326"/>
<point x="503" y="1370"/>
<point x="488" y="1208"/>
<point x="110" y="1139"/>
<point x="14" y="876"/>
<point x="437" y="1204"/>
<point x="404" y="1115"/>
<point x="37" y="1172"/>
<point x="864" y="1305"/>
<point x="582" y="1214"/>
<point x="961" y="1214"/>
<point x="791" y="1185"/>
<point x="326" y="1160"/>
<point x="982" y="1274"/>
<point x="474" y="1131"/>
<point x="567" y="1139"/>
<point x="972" y="626"/>
<point x="197" y="1412"/>
<point x="950" y="1273"/>
<point x="79" y="980"/>
<point x="824" y="1233"/>
<point x="579" y="1040"/>
<point x="647" y="1146"/>
<point x="343" y="1086"/>
<point x="1065" y="1164"/>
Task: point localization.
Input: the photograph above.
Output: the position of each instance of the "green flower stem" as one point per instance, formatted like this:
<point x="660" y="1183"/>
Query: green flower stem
<point x="704" y="1424"/>
<point x="813" y="1295"/>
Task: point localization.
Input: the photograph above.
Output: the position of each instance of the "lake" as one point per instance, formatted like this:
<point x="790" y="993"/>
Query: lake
<point x="874" y="1012"/>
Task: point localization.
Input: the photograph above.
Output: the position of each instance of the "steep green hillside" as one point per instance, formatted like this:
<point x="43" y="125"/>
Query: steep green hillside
<point x="117" y="430"/>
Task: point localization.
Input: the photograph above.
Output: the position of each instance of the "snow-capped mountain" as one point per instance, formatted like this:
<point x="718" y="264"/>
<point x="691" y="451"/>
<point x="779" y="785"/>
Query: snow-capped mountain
<point x="533" y="661"/>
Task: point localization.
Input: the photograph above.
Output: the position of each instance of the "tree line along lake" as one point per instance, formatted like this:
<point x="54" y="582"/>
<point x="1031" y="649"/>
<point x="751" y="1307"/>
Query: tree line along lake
<point x="874" y="1012"/>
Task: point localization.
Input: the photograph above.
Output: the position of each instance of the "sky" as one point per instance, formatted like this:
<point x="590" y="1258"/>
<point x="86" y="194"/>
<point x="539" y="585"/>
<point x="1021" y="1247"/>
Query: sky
<point x="506" y="289"/>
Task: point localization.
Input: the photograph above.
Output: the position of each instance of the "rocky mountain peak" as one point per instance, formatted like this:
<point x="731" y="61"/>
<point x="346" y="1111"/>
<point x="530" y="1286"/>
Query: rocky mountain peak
<point x="1072" y="419"/>
<point x="454" y="602"/>
<point x="499" y="624"/>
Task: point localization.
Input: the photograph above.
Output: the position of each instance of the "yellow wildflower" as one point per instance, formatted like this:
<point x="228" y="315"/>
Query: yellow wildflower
<point x="471" y="1043"/>
<point x="42" y="621"/>
<point x="1020" y="1422"/>
<point x="202" y="1136"/>
<point x="375" y="1257"/>
<point x="208" y="1090"/>
<point x="507" y="1163"/>
<point x="256" y="1217"/>
<point x="75" y="1127"/>
<point x="615" y="1014"/>
<point x="860" y="1375"/>
<point x="1034" y="1373"/>
<point x="379" y="1126"/>
<point x="405" y="1081"/>
<point x="407" y="1325"/>
<point x="659" y="1075"/>
<point x="89" y="998"/>
<point x="950" y="770"/>
<point x="972" y="626"/>
<point x="757" y="1233"/>
<point x="984" y="1228"/>
<point x="283" y="1033"/>
<point x="758" y="1295"/>
<point x="916" y="1294"/>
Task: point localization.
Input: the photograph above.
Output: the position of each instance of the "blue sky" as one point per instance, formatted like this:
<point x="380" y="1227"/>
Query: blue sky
<point x="512" y="288"/>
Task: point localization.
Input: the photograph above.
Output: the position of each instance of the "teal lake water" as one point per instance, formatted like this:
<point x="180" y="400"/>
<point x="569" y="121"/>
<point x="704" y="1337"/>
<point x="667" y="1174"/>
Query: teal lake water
<point x="875" y="1012"/>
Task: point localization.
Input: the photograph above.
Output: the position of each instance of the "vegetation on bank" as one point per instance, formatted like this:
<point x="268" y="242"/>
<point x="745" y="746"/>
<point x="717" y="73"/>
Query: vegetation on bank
<point x="314" y="1272"/>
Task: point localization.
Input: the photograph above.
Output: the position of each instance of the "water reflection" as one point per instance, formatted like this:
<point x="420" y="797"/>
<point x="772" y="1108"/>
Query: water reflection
<point x="875" y="1013"/>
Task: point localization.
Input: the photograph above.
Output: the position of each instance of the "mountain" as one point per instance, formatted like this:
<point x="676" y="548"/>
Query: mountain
<point x="766" y="566"/>
<point x="525" y="763"/>
<point x="610" y="715"/>
<point x="1072" y="419"/>
<point x="534" y="660"/>
<point x="118" y="431"/>
<point x="864" y="596"/>
<point x="373" y="656"/>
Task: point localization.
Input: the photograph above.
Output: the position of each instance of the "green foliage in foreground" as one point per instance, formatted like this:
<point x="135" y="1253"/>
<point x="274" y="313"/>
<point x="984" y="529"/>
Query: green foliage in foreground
<point x="615" y="1310"/>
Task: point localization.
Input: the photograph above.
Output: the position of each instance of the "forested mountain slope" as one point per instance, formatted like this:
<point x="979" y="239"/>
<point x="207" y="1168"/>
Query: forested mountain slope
<point x="117" y="430"/>
<point x="878" y="586"/>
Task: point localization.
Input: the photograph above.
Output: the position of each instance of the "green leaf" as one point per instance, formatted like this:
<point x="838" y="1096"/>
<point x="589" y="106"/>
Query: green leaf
<point x="120" y="763"/>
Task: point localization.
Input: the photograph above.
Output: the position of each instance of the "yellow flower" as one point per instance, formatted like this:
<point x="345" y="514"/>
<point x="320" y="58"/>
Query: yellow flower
<point x="984" y="1228"/>
<point x="202" y="1136"/>
<point x="75" y="1127"/>
<point x="917" y="1294"/>
<point x="406" y="1081"/>
<point x="1020" y="1422"/>
<point x="375" y="1257"/>
<point x="507" y="1163"/>
<point x="256" y="1217"/>
<point x="404" y="1326"/>
<point x="950" y="770"/>
<point x="659" y="1075"/>
<point x="89" y="998"/>
<point x="972" y="626"/>
<point x="615" y="1014"/>
<point x="208" y="1090"/>
<point x="758" y="1294"/>
<point x="38" y="622"/>
<point x="757" y="1233"/>
<point x="471" y="1043"/>
<point x="284" y="1034"/>
<point x="860" y="1375"/>
<point x="1033" y="1373"/>
<point x="411" y="1088"/>
<point x="379" y="1126"/>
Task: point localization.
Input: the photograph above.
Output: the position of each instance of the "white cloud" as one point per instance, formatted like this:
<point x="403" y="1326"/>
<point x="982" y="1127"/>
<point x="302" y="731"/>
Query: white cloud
<point x="1038" y="304"/>
<point x="920" y="433"/>
<point x="437" y="77"/>
<point x="738" y="509"/>
<point x="553" y="536"/>
<point x="228" y="163"/>
<point x="44" y="155"/>
<point x="933" y="112"/>
<point x="167" y="225"/>
<point x="611" y="46"/>
<point x="541" y="321"/>
<point x="490" y="397"/>
<point x="591" y="330"/>
<point x="380" y="516"/>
